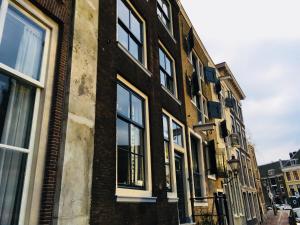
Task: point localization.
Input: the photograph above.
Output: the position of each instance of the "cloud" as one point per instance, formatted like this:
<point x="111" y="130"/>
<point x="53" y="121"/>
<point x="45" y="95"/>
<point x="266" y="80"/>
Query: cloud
<point x="260" y="42"/>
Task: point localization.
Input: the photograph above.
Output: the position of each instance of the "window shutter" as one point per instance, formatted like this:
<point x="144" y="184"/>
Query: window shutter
<point x="188" y="86"/>
<point x="190" y="41"/>
<point x="195" y="83"/>
<point x="212" y="158"/>
<point x="218" y="87"/>
<point x="224" y="131"/>
<point x="229" y="102"/>
<point x="210" y="74"/>
<point x="214" y="110"/>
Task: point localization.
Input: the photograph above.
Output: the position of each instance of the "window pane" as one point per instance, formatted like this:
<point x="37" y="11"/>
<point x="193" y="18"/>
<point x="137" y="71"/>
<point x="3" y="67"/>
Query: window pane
<point x="16" y="110"/>
<point x="166" y="8"/>
<point x="134" y="49"/>
<point x="163" y="79"/>
<point x="136" y="27"/>
<point x="136" y="140"/>
<point x="197" y="185"/>
<point x="159" y="2"/>
<point x="12" y="173"/>
<point x="123" y="101"/>
<point x="166" y="127"/>
<point x="168" y="66"/>
<point x="194" y="148"/>
<point x="123" y="13"/>
<point x="170" y="84"/>
<point x="122" y="134"/>
<point x="177" y="134"/>
<point x="162" y="59"/>
<point x="168" y="177"/>
<point x="22" y="44"/>
<point x="123" y="37"/>
<point x="167" y="151"/>
<point x="123" y="167"/>
<point x="137" y="110"/>
<point x="137" y="170"/>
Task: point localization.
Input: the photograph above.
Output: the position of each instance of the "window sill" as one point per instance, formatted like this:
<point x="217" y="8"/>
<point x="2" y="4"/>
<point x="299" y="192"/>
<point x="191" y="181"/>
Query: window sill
<point x="173" y="200"/>
<point x="212" y="177"/>
<point x="131" y="199"/>
<point x="135" y="60"/>
<point x="172" y="95"/>
<point x="201" y="203"/>
<point x="169" y="32"/>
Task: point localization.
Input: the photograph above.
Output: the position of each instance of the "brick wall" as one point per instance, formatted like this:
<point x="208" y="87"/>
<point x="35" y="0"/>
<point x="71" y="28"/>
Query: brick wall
<point x="62" y="13"/>
<point x="112" y="61"/>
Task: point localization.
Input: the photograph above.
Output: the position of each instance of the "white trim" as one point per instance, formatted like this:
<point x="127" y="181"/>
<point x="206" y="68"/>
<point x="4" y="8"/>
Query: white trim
<point x="144" y="59"/>
<point x="200" y="204"/>
<point x="13" y="148"/>
<point x="171" y="95"/>
<point x="172" y="199"/>
<point x="183" y="151"/>
<point x="200" y="152"/>
<point x="166" y="51"/>
<point x="39" y="128"/>
<point x="212" y="176"/>
<point x="16" y="74"/>
<point x="171" y="29"/>
<point x="170" y="33"/>
<point x="131" y="199"/>
<point x="3" y="10"/>
<point x="125" y="192"/>
<point x="134" y="59"/>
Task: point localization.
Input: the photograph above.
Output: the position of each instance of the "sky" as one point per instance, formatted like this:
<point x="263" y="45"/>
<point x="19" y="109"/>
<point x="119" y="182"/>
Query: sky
<point x="260" y="41"/>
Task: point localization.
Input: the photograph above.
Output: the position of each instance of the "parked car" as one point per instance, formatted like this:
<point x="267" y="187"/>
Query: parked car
<point x="294" y="217"/>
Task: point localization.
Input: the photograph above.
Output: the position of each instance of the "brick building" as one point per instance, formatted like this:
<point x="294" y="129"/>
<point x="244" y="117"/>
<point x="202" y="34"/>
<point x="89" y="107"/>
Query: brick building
<point x="112" y="112"/>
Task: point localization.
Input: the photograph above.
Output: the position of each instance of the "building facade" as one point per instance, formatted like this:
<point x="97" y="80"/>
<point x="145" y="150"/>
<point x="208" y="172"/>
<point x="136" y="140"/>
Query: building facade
<point x="113" y="112"/>
<point x="261" y="207"/>
<point x="242" y="189"/>
<point x="273" y="184"/>
<point x="291" y="171"/>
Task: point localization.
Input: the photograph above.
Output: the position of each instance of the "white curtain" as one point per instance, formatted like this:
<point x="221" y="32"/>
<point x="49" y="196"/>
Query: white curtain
<point x="17" y="124"/>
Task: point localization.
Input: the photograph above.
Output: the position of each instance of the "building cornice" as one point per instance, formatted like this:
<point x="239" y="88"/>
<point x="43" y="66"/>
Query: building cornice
<point x="233" y="82"/>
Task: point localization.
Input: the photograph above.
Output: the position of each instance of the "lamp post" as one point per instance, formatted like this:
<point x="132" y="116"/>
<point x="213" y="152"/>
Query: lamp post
<point x="235" y="166"/>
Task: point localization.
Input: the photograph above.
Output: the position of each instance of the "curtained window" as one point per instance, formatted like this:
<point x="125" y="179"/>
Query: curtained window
<point x="21" y="53"/>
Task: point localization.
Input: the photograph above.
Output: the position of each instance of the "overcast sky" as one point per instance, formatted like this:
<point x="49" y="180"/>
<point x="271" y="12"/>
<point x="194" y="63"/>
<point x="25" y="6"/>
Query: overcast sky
<point x="260" y="41"/>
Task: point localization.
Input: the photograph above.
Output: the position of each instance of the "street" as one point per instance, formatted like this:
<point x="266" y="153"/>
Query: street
<point x="280" y="219"/>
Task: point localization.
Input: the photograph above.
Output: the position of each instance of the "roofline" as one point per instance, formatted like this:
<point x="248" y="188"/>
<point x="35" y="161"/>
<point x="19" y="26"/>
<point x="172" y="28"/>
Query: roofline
<point x="269" y="163"/>
<point x="233" y="79"/>
<point x="186" y="17"/>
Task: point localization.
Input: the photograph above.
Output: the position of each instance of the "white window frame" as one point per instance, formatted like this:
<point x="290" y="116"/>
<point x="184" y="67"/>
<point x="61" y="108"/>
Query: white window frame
<point x="248" y="212"/>
<point x="144" y="64"/>
<point x="169" y="30"/>
<point x="193" y="134"/>
<point x="31" y="193"/>
<point x="124" y="194"/>
<point x="175" y="95"/>
<point x="172" y="196"/>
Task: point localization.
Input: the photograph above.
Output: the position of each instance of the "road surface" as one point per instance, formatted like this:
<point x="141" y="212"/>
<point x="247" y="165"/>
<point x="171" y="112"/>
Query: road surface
<point x="280" y="219"/>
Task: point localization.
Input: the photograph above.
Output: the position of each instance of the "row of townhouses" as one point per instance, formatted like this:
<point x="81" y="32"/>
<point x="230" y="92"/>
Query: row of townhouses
<point x="281" y="181"/>
<point x="113" y="112"/>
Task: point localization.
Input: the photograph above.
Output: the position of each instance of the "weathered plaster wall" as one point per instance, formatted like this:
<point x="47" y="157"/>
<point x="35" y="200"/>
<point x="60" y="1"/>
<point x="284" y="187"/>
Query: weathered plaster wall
<point x="75" y="193"/>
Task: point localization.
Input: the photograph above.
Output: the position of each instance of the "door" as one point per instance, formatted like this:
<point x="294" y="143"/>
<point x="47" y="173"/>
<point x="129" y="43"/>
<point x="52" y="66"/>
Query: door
<point x="180" y="187"/>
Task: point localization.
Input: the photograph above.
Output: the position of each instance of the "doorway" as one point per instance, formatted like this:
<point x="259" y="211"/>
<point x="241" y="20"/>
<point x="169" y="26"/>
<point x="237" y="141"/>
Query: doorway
<point x="180" y="187"/>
